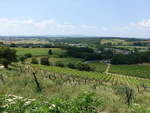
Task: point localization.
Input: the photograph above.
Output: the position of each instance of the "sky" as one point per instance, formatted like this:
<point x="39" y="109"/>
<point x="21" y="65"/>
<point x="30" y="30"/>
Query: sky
<point x="121" y="18"/>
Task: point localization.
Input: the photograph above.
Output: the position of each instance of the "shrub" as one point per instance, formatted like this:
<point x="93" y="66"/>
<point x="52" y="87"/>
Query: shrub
<point x="126" y="92"/>
<point x="60" y="64"/>
<point x="34" y="61"/>
<point x="50" y="52"/>
<point x="28" y="55"/>
<point x="45" y="61"/>
<point x="84" y="103"/>
<point x="22" y="59"/>
<point x="7" y="56"/>
<point x="83" y="66"/>
<point x="71" y="65"/>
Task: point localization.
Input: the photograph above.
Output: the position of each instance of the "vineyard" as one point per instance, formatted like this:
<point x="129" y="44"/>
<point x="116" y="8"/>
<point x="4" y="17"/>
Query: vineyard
<point x="142" y="71"/>
<point x="68" y="85"/>
<point x="102" y="77"/>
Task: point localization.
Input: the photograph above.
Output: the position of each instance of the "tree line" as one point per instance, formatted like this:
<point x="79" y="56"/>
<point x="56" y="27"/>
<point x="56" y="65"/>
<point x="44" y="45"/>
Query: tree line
<point x="134" y="58"/>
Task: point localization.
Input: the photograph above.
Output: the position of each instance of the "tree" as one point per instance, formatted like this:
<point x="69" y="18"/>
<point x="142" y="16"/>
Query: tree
<point x="50" y="52"/>
<point x="22" y="59"/>
<point x="13" y="45"/>
<point x="83" y="66"/>
<point x="7" y="56"/>
<point x="5" y="62"/>
<point x="45" y="61"/>
<point x="34" y="61"/>
<point x="71" y="65"/>
<point x="1" y="43"/>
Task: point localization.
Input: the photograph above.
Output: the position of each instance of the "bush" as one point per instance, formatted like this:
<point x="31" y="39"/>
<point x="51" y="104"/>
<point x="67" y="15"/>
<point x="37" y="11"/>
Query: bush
<point x="34" y="61"/>
<point x="60" y="64"/>
<point x="22" y="59"/>
<point x="28" y="55"/>
<point x="84" y="67"/>
<point x="45" y="61"/>
<point x="5" y="62"/>
<point x="7" y="56"/>
<point x="50" y="52"/>
<point x="71" y="65"/>
<point x="84" y="103"/>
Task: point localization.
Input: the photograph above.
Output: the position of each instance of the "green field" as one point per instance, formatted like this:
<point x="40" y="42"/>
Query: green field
<point x="132" y="47"/>
<point x="65" y="60"/>
<point x="53" y="59"/>
<point x="114" y="41"/>
<point x="99" y="67"/>
<point x="38" y="51"/>
<point x="131" y="70"/>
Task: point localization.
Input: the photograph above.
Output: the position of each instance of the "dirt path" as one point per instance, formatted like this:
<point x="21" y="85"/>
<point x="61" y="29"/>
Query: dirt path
<point x="107" y="69"/>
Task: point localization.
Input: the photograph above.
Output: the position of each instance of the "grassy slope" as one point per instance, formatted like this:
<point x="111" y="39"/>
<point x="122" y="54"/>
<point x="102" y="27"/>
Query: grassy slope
<point x="65" y="60"/>
<point x="22" y="84"/>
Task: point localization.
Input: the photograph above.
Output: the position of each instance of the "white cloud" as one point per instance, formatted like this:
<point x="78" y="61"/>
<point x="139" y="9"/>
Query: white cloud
<point x="51" y="26"/>
<point x="29" y="21"/>
<point x="144" y="23"/>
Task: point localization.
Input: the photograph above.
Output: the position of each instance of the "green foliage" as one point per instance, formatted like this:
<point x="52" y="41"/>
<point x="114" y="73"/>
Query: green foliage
<point x="12" y="45"/>
<point x="50" y="52"/>
<point x="71" y="65"/>
<point x="34" y="61"/>
<point x="45" y="61"/>
<point x="28" y="55"/>
<point x="7" y="56"/>
<point x="84" y="103"/>
<point x="126" y="92"/>
<point x="82" y="52"/>
<point x="135" y="58"/>
<point x="59" y="64"/>
<point x="22" y="58"/>
<point x="83" y="66"/>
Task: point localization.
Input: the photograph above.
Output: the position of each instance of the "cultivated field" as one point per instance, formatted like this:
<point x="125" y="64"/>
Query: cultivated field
<point x="114" y="41"/>
<point x="142" y="71"/>
<point x="110" y="78"/>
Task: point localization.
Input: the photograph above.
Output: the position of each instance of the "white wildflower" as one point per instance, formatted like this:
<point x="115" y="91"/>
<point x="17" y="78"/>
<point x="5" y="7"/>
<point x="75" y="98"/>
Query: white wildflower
<point x="52" y="106"/>
<point x="9" y="100"/>
<point x="28" y="102"/>
<point x="31" y="99"/>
